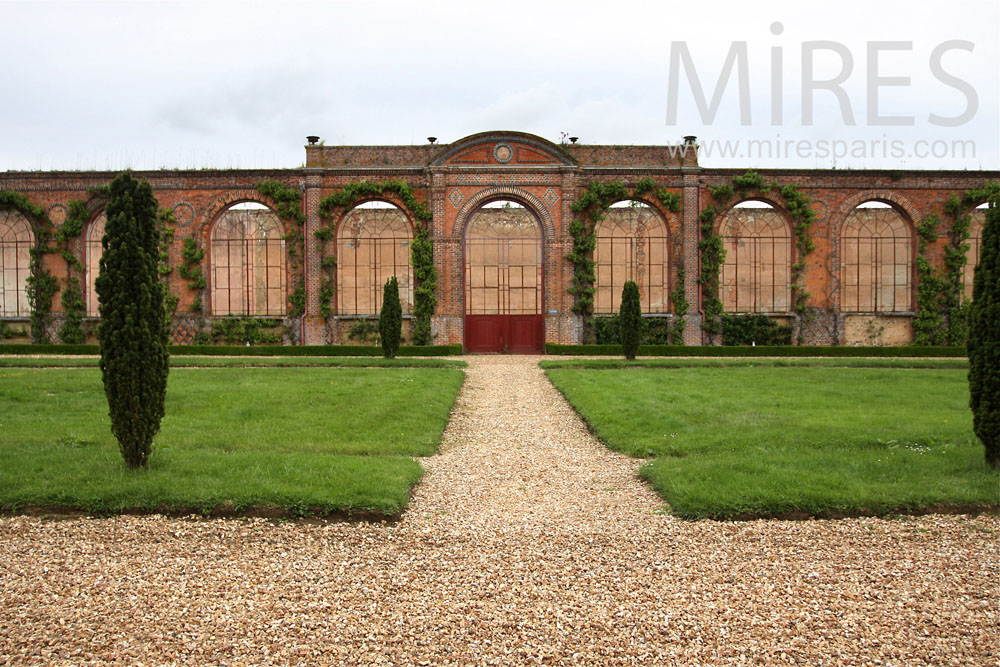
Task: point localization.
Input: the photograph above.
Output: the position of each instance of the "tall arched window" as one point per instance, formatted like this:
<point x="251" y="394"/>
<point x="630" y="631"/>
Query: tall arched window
<point x="94" y="251"/>
<point x="756" y="276"/>
<point x="972" y="254"/>
<point x="248" y="262"/>
<point x="16" y="241"/>
<point x="876" y="260"/>
<point x="373" y="245"/>
<point x="631" y="245"/>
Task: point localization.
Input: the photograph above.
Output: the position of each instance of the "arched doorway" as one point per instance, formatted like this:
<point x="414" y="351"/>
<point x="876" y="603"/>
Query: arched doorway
<point x="503" y="280"/>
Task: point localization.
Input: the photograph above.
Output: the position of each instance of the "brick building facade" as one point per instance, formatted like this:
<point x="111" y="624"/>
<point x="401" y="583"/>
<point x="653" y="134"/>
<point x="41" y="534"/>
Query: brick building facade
<point x="540" y="179"/>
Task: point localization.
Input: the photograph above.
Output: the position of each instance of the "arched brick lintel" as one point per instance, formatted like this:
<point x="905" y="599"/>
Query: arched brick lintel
<point x="533" y="203"/>
<point x="337" y="221"/>
<point x="232" y="198"/>
<point x="720" y="217"/>
<point x="894" y="199"/>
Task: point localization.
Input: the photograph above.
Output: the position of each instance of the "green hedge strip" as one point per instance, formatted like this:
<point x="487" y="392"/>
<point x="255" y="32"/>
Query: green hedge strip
<point x="758" y="351"/>
<point x="252" y="351"/>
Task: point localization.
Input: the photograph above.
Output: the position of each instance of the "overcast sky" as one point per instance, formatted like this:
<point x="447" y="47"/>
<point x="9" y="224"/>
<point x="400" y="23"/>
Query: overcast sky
<point x="108" y="85"/>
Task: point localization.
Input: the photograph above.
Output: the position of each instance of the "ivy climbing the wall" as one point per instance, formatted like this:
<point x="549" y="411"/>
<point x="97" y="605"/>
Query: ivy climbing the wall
<point x="421" y="248"/>
<point x="941" y="317"/>
<point x="288" y="205"/>
<point x="41" y="285"/>
<point x="713" y="254"/>
<point x="73" y="303"/>
<point x="588" y="210"/>
<point x="165" y="220"/>
<point x="190" y="270"/>
<point x="929" y="326"/>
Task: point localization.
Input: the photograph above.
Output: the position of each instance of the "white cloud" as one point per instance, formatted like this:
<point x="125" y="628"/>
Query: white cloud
<point x="242" y="83"/>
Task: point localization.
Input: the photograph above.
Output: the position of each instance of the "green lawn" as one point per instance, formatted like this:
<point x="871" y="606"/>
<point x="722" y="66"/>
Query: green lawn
<point x="329" y="439"/>
<point x="242" y="362"/>
<point x="772" y="440"/>
<point x="757" y="362"/>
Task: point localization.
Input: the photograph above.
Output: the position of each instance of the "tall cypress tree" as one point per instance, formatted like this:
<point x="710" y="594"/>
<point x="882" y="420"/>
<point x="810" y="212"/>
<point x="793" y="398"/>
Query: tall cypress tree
<point x="133" y="338"/>
<point x="390" y="319"/>
<point x="984" y="339"/>
<point x="630" y="320"/>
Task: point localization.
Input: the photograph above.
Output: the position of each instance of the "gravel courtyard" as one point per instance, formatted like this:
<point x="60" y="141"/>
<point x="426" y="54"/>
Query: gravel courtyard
<point x="526" y="543"/>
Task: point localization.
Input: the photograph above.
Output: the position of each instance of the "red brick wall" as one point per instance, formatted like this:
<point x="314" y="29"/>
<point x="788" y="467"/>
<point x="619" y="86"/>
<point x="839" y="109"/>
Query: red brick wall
<point x="455" y="179"/>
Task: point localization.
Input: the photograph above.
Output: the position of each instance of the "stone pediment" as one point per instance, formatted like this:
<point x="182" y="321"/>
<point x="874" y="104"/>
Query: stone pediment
<point x="502" y="149"/>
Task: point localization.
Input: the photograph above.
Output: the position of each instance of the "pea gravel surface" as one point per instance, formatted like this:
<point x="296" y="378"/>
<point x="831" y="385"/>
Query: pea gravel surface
<point x="527" y="543"/>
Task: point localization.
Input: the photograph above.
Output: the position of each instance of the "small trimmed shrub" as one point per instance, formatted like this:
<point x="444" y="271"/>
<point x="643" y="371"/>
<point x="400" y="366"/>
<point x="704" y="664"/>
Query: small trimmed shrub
<point x="246" y="330"/>
<point x="754" y="330"/>
<point x="655" y="330"/>
<point x="630" y="320"/>
<point x="984" y="340"/>
<point x="911" y="351"/>
<point x="390" y="319"/>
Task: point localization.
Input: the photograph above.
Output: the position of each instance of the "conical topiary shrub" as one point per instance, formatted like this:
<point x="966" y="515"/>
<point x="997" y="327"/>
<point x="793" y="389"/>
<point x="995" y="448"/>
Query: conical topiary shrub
<point x="630" y="320"/>
<point x="133" y="338"/>
<point x="390" y="319"/>
<point x="984" y="340"/>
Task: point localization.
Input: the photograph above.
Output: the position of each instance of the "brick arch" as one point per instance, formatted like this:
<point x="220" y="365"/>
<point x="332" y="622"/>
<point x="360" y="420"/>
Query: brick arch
<point x="530" y="201"/>
<point x="890" y="197"/>
<point x="215" y="209"/>
<point x="720" y="216"/>
<point x="665" y="214"/>
<point x="385" y="199"/>
<point x="533" y="141"/>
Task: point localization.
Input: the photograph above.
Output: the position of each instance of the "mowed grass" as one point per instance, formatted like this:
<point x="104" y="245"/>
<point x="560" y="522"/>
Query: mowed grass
<point x="770" y="441"/>
<point x="242" y="362"/>
<point x="303" y="440"/>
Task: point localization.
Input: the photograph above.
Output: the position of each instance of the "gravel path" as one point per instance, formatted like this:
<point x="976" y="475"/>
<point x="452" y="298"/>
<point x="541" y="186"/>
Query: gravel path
<point x="526" y="543"/>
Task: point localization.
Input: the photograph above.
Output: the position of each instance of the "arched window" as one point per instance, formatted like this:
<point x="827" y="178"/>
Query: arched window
<point x="373" y="245"/>
<point x="756" y="276"/>
<point x="631" y="245"/>
<point x="876" y="260"/>
<point x="16" y="241"/>
<point x="972" y="254"/>
<point x="94" y="251"/>
<point x="248" y="262"/>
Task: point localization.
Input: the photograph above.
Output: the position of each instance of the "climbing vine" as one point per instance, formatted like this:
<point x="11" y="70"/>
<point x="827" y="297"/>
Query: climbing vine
<point x="246" y="330"/>
<point x="941" y="315"/>
<point x="41" y="285"/>
<point x="588" y="210"/>
<point x="421" y="248"/>
<point x="73" y="303"/>
<point x="713" y="255"/>
<point x="190" y="270"/>
<point x="680" y="302"/>
<point x="166" y="221"/>
<point x="288" y="205"/>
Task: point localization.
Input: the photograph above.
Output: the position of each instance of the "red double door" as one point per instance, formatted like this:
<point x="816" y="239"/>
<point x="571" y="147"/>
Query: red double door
<point x="506" y="334"/>
<point x="503" y="286"/>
